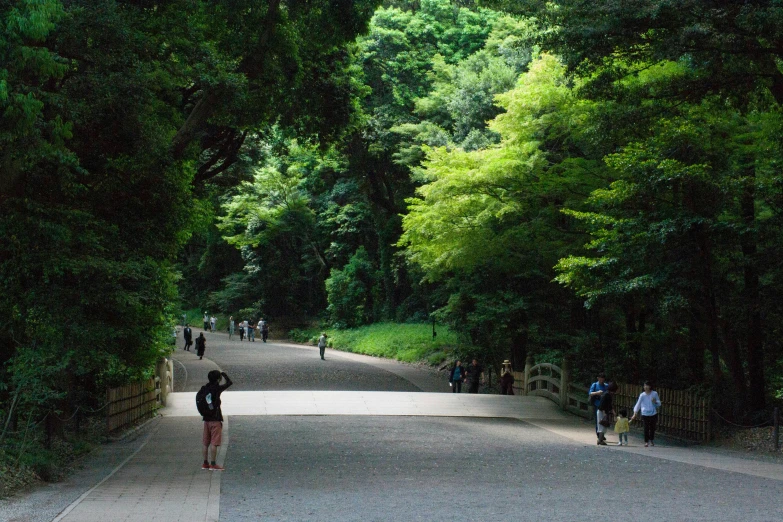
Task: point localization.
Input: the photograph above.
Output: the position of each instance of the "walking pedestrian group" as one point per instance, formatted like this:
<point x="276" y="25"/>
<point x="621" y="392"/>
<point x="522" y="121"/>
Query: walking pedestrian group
<point x="473" y="375"/>
<point x="601" y="398"/>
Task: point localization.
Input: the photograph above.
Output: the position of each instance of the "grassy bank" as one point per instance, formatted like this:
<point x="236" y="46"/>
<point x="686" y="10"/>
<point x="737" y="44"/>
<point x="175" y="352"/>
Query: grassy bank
<point x="195" y="317"/>
<point x="403" y="342"/>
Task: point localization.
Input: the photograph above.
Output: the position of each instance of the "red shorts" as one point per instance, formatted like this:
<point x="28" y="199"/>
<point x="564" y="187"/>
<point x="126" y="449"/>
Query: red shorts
<point x="213" y="433"/>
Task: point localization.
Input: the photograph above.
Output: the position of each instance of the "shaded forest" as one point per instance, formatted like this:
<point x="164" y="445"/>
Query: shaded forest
<point x="547" y="178"/>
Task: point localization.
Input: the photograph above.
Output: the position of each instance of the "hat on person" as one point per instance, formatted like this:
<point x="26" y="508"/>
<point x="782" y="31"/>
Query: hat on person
<point x="506" y="362"/>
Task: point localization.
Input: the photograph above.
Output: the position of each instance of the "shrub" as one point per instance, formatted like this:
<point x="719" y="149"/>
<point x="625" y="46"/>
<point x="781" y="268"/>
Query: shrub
<point x="353" y="292"/>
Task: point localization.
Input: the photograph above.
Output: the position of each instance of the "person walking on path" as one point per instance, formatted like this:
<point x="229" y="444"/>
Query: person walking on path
<point x="622" y="427"/>
<point x="231" y="327"/>
<point x="597" y="389"/>
<point x="206" y="321"/>
<point x="506" y="379"/>
<point x="474" y="372"/>
<point x="605" y="412"/>
<point x="213" y="419"/>
<point x="456" y="376"/>
<point x="212" y="322"/>
<point x="251" y="331"/>
<point x="648" y="404"/>
<point x="264" y="327"/>
<point x="241" y="332"/>
<point x="201" y="345"/>
<point x="187" y="334"/>
<point x="322" y="345"/>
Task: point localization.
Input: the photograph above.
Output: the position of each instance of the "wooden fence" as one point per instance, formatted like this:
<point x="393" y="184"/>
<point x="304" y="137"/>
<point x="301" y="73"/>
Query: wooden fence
<point x="130" y="403"/>
<point x="683" y="414"/>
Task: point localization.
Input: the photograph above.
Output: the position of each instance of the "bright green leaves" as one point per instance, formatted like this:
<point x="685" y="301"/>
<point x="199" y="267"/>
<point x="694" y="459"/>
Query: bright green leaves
<point x="274" y="199"/>
<point x="486" y="204"/>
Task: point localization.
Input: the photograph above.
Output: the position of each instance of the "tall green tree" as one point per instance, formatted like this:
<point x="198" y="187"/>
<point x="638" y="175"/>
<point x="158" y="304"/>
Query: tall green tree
<point x="113" y="112"/>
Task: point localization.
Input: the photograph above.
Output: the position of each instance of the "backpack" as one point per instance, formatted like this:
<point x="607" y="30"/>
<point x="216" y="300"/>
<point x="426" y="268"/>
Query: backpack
<point x="201" y="402"/>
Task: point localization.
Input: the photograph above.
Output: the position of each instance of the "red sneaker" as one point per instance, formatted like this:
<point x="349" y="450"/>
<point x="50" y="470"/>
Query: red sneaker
<point x="205" y="466"/>
<point x="216" y="467"/>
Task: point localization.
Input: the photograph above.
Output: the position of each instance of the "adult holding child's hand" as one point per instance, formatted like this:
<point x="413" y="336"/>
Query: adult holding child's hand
<point x="648" y="404"/>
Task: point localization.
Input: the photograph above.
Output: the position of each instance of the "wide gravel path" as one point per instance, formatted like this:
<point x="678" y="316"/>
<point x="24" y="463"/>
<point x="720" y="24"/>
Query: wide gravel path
<point x="283" y="366"/>
<point x="433" y="469"/>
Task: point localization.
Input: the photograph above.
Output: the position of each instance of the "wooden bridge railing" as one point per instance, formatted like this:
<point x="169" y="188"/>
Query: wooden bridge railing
<point x="683" y="415"/>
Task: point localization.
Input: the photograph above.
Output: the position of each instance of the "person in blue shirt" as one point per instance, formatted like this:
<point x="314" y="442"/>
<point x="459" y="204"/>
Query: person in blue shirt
<point x="597" y="389"/>
<point x="456" y="377"/>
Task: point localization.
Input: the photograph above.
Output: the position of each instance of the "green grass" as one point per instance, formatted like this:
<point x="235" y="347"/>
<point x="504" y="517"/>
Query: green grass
<point x="403" y="342"/>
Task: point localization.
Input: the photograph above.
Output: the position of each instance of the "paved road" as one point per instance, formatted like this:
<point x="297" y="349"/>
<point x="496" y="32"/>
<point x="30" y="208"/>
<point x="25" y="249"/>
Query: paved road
<point x="433" y="469"/>
<point x="286" y="467"/>
<point x="276" y="366"/>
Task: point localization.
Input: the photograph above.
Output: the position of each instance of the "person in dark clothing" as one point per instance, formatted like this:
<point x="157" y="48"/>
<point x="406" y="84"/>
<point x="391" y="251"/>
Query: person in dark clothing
<point x="456" y="376"/>
<point x="605" y="412"/>
<point x="187" y="334"/>
<point x="506" y="379"/>
<point x="201" y="345"/>
<point x="264" y="329"/>
<point x="474" y="372"/>
<point x="251" y="331"/>
<point x="597" y="389"/>
<point x="213" y="422"/>
<point x="241" y="331"/>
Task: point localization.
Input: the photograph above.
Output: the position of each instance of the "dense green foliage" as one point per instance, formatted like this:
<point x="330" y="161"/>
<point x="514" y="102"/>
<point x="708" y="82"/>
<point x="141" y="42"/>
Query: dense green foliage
<point x="546" y="178"/>
<point x="114" y="114"/>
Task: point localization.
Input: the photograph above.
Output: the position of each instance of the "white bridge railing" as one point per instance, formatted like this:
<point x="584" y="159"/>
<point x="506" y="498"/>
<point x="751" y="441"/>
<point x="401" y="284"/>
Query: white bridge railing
<point x="552" y="382"/>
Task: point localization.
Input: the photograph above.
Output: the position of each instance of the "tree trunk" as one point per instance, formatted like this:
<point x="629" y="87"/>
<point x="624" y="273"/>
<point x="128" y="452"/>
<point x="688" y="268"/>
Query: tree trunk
<point x="518" y="349"/>
<point x="734" y="360"/>
<point x="698" y="347"/>
<point x="755" y="340"/>
<point x="209" y="103"/>
<point x="710" y="314"/>
<point x="632" y="340"/>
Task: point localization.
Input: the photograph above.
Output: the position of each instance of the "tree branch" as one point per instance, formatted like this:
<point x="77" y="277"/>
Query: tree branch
<point x="209" y="102"/>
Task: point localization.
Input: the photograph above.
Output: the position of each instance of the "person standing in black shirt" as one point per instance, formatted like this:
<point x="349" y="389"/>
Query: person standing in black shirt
<point x="213" y="421"/>
<point x="474" y="376"/>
